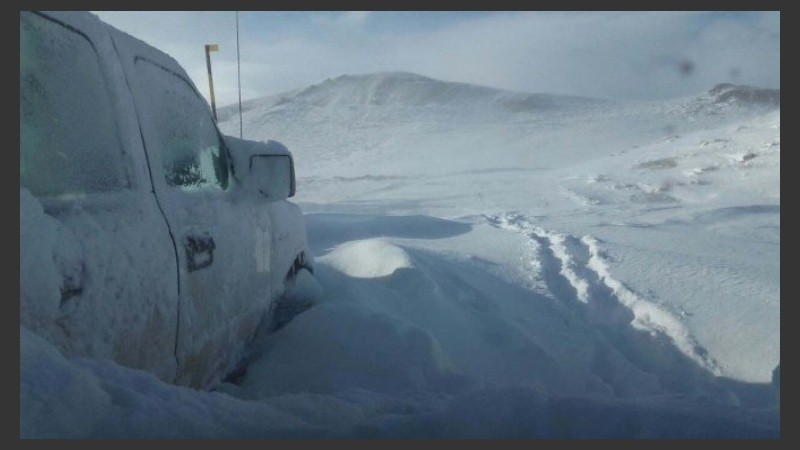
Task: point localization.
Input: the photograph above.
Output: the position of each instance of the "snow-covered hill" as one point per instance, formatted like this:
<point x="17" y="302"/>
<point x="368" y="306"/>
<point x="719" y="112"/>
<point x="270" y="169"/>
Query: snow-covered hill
<point x="368" y="118"/>
<point x="398" y="96"/>
<point x="374" y="128"/>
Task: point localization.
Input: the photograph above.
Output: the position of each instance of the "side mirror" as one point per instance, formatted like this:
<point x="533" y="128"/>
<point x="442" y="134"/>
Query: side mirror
<point x="262" y="167"/>
<point x="272" y="175"/>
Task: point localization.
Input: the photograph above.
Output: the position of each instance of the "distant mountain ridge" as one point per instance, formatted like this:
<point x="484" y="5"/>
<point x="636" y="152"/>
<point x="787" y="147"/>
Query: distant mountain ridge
<point x="743" y="94"/>
<point x="404" y="89"/>
<point x="400" y="90"/>
<point x="398" y="121"/>
<point x="726" y="98"/>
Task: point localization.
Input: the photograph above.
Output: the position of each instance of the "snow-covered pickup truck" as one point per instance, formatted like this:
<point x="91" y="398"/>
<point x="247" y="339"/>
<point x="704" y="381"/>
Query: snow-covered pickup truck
<point x="146" y="236"/>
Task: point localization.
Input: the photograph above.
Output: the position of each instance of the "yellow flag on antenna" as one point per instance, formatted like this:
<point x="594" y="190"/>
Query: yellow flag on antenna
<point x="212" y="47"/>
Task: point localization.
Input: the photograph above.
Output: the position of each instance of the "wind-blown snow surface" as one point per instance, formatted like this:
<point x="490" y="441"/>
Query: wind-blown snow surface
<point x="684" y="195"/>
<point x="492" y="264"/>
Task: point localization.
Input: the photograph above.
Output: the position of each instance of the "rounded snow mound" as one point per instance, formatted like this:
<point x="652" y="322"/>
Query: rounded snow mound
<point x="370" y="258"/>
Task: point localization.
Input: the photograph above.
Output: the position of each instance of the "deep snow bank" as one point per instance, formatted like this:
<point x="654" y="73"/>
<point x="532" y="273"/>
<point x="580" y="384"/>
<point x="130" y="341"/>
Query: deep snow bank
<point x="442" y="345"/>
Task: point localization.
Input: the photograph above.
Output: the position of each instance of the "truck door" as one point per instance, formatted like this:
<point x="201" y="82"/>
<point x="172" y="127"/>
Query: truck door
<point x="97" y="267"/>
<point x="223" y="240"/>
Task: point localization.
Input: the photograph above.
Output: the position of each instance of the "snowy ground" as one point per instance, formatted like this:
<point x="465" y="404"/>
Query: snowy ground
<point x="491" y="264"/>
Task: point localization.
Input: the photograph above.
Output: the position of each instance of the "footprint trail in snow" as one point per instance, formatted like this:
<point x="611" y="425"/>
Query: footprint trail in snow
<point x="576" y="272"/>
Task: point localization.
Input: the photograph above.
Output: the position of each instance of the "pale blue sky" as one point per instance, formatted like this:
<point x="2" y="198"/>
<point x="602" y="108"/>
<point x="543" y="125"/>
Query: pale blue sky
<point x="636" y="55"/>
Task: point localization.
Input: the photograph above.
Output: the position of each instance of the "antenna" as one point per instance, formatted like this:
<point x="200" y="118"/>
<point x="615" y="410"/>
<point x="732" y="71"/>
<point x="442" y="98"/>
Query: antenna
<point x="239" y="75"/>
<point x="211" y="48"/>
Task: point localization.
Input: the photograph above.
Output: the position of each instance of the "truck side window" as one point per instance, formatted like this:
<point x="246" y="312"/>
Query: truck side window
<point x="69" y="142"/>
<point x="192" y="153"/>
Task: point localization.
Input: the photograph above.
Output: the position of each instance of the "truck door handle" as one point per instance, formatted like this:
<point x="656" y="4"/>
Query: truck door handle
<point x="72" y="284"/>
<point x="199" y="251"/>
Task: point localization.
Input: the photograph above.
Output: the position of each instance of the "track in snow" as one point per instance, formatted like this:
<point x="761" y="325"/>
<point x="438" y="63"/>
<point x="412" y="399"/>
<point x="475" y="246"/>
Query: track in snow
<point x="575" y="271"/>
